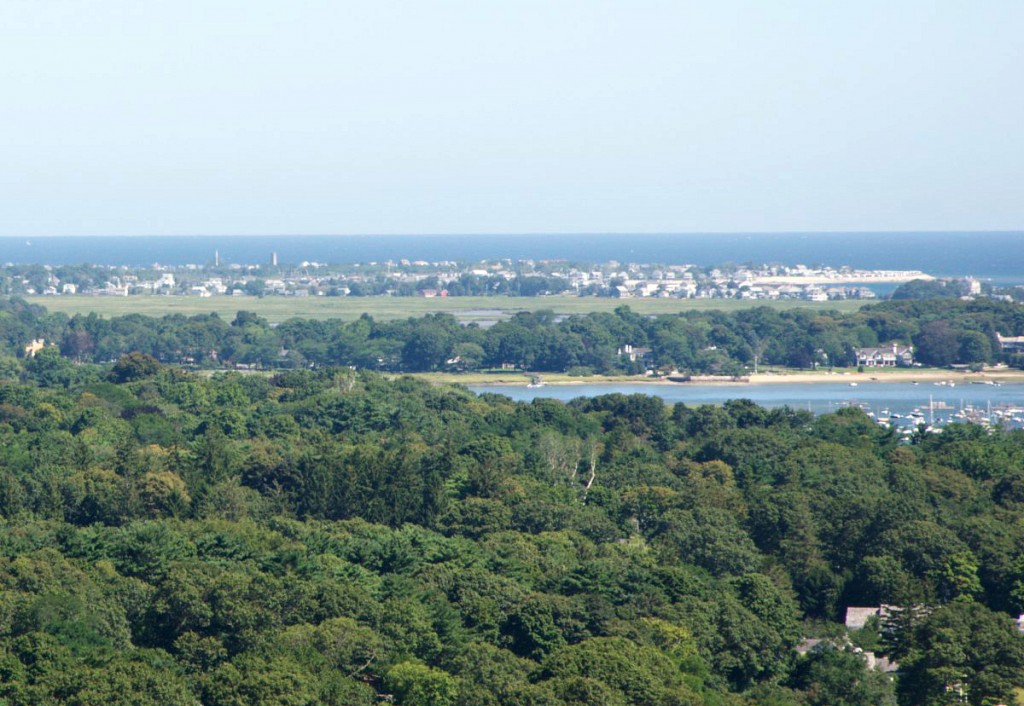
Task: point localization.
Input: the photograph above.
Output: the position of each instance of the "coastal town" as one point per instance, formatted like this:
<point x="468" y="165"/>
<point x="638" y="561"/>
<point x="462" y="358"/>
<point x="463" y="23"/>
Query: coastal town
<point x="407" y="277"/>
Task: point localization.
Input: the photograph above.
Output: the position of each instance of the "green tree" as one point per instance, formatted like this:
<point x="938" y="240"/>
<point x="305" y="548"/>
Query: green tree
<point x="937" y="344"/>
<point x="834" y="677"/>
<point x="415" y="684"/>
<point x="643" y="675"/>
<point x="975" y="347"/>
<point x="134" y="366"/>
<point x="962" y="648"/>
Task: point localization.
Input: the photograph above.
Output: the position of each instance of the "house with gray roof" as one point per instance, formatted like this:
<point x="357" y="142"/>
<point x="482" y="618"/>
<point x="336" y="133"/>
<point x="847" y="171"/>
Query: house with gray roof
<point x="890" y="355"/>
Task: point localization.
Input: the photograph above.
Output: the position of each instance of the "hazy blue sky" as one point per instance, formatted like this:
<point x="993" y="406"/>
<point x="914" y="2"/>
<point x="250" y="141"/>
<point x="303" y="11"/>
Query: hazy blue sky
<point x="294" y="116"/>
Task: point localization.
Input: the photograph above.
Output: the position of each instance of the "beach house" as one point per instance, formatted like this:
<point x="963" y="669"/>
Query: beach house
<point x="890" y="355"/>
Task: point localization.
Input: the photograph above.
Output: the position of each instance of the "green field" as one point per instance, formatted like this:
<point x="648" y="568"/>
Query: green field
<point x="384" y="308"/>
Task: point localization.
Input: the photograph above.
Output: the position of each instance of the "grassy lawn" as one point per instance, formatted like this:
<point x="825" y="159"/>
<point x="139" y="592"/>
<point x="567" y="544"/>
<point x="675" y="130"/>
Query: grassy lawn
<point x="384" y="308"/>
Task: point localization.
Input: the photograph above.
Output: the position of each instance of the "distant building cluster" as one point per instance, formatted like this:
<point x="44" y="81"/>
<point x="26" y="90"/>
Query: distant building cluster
<point x="765" y="283"/>
<point x="407" y="277"/>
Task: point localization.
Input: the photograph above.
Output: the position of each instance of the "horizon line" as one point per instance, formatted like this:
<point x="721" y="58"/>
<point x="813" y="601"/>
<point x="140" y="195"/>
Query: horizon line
<point x="465" y="234"/>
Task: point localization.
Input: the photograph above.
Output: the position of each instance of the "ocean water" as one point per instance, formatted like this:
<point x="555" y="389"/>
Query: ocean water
<point x="996" y="256"/>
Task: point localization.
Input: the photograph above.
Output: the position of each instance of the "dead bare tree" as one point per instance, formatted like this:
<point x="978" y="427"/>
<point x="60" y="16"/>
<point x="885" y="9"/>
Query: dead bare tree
<point x="561" y="455"/>
<point x="592" y="450"/>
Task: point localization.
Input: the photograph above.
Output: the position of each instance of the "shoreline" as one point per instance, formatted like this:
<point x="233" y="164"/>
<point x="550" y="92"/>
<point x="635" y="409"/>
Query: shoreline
<point x="868" y="377"/>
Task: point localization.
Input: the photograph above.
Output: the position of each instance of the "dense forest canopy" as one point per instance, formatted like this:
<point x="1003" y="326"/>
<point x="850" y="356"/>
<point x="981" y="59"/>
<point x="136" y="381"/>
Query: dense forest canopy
<point x="942" y="331"/>
<point x="331" y="537"/>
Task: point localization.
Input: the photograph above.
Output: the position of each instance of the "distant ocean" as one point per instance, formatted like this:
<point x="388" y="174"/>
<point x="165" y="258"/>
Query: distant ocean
<point x="995" y="256"/>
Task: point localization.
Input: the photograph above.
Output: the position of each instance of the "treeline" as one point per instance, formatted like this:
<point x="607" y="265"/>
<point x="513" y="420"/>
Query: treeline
<point x="329" y="537"/>
<point x="932" y="289"/>
<point x="943" y="332"/>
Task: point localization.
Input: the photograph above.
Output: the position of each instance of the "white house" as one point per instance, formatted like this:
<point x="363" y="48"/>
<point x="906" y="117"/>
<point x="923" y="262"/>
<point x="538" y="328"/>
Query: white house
<point x="887" y="356"/>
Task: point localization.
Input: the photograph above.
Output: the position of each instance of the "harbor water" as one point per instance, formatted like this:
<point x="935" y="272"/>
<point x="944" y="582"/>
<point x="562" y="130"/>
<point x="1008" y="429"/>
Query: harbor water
<point x="902" y="404"/>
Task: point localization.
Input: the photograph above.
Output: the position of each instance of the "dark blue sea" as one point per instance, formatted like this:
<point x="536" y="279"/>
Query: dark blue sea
<point x="996" y="256"/>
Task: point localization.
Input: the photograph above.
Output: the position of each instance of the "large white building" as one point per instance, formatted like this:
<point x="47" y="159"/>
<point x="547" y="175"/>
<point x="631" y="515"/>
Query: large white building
<point x="888" y="356"/>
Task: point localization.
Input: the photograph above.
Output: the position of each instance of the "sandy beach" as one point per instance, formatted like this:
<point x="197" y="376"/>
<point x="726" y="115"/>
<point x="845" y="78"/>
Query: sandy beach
<point x="889" y="375"/>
